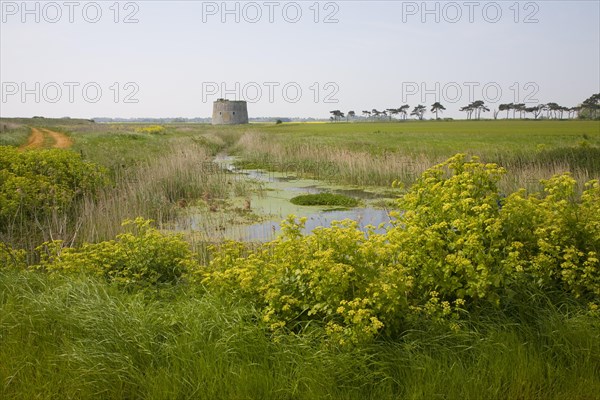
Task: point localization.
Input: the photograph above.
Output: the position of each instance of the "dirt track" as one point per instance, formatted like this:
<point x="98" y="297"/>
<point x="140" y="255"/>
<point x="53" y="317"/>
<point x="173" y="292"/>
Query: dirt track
<point x="61" y="141"/>
<point x="38" y="136"/>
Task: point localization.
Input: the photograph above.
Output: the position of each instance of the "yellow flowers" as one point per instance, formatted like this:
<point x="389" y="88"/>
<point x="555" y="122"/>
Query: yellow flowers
<point x="152" y="129"/>
<point x="11" y="258"/>
<point x="456" y="244"/>
<point x="35" y="183"/>
<point x="139" y="258"/>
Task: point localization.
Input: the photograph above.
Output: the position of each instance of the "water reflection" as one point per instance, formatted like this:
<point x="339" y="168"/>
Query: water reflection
<point x="364" y="216"/>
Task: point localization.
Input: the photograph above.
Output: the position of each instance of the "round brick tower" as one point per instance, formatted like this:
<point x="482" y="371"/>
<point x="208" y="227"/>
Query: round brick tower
<point x="226" y="112"/>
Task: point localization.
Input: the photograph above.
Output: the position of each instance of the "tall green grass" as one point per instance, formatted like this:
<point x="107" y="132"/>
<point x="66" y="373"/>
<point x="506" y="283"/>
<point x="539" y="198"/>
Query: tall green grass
<point x="158" y="190"/>
<point x="12" y="134"/>
<point x="380" y="153"/>
<point x="79" y="338"/>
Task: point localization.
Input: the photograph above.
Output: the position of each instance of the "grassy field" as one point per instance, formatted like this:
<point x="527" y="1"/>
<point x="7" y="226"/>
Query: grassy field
<point x="379" y="153"/>
<point x="444" y="136"/>
<point x="78" y="335"/>
<point x="493" y="140"/>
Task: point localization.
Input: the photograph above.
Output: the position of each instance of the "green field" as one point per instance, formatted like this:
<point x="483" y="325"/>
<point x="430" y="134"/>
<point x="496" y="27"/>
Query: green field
<point x="377" y="153"/>
<point x="478" y="291"/>
<point x="486" y="138"/>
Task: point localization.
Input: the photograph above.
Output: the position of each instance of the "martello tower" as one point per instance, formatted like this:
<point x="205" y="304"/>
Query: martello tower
<point x="226" y="112"/>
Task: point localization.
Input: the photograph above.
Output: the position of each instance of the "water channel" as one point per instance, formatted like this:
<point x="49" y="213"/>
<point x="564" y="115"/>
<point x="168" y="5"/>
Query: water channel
<point x="272" y="204"/>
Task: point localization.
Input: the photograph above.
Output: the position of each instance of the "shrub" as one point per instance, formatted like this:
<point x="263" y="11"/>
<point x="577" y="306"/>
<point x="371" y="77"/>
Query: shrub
<point x="555" y="237"/>
<point x="450" y="236"/>
<point x="142" y="257"/>
<point x="328" y="276"/>
<point x="11" y="258"/>
<point x="34" y="183"/>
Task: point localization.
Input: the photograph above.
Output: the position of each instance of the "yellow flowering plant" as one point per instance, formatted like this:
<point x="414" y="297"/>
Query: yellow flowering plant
<point x="141" y="257"/>
<point x="457" y="243"/>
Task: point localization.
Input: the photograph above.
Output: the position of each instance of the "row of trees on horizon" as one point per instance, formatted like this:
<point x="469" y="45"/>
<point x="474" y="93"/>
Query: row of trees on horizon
<point x="588" y="109"/>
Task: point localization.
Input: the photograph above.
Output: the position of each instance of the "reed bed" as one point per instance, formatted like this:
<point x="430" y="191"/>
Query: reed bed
<point x="158" y="190"/>
<point x="372" y="167"/>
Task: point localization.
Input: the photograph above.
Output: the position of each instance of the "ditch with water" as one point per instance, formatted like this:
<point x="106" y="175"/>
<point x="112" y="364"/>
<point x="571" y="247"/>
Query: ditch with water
<point x="256" y="216"/>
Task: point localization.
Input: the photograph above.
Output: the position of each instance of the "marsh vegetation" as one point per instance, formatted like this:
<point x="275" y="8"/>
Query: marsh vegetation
<point x="473" y="287"/>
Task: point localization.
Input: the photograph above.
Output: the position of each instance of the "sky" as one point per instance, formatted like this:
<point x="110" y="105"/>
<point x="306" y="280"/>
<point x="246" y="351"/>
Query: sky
<point x="136" y="59"/>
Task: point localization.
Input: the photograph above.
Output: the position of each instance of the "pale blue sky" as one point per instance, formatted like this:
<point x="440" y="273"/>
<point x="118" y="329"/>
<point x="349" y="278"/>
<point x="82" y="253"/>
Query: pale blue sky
<point x="378" y="55"/>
